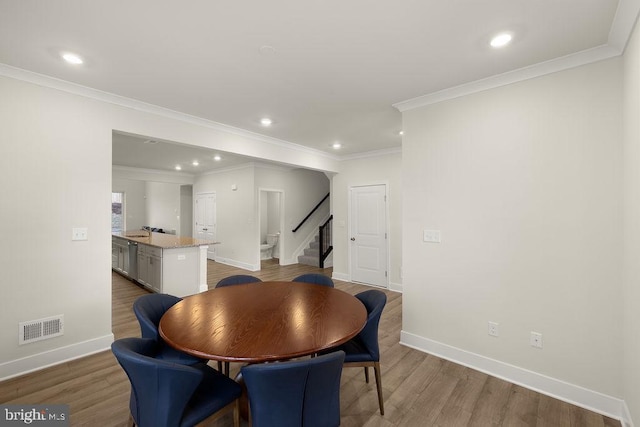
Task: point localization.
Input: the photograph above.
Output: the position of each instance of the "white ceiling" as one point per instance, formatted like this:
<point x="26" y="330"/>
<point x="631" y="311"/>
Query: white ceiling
<point x="133" y="151"/>
<point x="324" y="71"/>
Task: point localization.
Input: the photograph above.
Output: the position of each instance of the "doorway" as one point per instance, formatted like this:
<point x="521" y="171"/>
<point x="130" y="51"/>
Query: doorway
<point x="271" y="216"/>
<point x="368" y="254"/>
<point x="205" y="220"/>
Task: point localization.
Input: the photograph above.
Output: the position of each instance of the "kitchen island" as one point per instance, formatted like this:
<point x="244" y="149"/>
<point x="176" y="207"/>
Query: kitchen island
<point x="163" y="263"/>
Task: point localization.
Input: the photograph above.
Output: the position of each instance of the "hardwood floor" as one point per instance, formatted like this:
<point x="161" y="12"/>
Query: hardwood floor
<point x="419" y="389"/>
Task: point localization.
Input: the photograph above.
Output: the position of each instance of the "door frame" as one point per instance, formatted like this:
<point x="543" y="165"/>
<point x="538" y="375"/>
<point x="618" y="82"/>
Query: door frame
<point x="195" y="212"/>
<point x="281" y="243"/>
<point x="384" y="183"/>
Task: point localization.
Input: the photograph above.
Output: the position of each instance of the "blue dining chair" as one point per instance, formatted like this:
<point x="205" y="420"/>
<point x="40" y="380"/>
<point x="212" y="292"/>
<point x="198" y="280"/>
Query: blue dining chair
<point x="149" y="310"/>
<point x="166" y="394"/>
<point x="237" y="279"/>
<point x="315" y="279"/>
<point x="363" y="350"/>
<point x="296" y="393"/>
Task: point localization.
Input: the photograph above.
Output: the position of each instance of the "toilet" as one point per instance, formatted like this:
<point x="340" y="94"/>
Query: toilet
<point x="266" y="249"/>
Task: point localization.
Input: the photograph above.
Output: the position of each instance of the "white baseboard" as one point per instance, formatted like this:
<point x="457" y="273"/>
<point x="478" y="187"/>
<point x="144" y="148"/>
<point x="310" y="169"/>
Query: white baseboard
<point x="396" y="287"/>
<point x="234" y="263"/>
<point x="626" y="419"/>
<point x="341" y="276"/>
<point x="577" y="395"/>
<point x="39" y="361"/>
<point x="345" y="277"/>
<point x="288" y="261"/>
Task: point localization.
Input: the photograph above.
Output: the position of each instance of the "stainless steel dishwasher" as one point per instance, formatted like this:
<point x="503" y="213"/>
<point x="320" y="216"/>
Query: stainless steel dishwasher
<point x="133" y="260"/>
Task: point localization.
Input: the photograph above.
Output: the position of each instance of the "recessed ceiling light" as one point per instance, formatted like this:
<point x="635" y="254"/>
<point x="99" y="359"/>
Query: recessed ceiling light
<point x="195" y="163"/>
<point x="266" y="121"/>
<point x="217" y="158"/>
<point x="336" y="145"/>
<point x="501" y="40"/>
<point x="401" y="133"/>
<point x="72" y="58"/>
<point x="178" y="168"/>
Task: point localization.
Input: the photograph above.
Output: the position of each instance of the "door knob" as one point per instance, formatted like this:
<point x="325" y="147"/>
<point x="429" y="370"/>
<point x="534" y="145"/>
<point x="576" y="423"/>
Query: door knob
<point x="353" y="239"/>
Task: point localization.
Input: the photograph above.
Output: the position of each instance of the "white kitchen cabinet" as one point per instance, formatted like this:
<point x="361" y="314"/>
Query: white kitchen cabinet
<point x="164" y="263"/>
<point x="150" y="267"/>
<point x="120" y="255"/>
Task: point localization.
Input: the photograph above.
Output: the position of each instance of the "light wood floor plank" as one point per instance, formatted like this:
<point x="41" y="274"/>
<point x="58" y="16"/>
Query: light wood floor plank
<point x="419" y="389"/>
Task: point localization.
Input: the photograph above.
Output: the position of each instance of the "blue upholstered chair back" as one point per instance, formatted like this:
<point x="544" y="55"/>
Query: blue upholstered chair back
<point x="166" y="394"/>
<point x="238" y="279"/>
<point x="315" y="279"/>
<point x="149" y="309"/>
<point x="160" y="390"/>
<point x="374" y="301"/>
<point x="297" y="393"/>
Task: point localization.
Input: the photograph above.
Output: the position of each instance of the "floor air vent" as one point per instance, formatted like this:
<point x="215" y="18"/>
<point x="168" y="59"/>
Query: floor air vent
<point x="41" y="329"/>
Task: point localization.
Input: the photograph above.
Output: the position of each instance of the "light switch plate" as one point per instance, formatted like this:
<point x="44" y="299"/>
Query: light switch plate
<point x="431" y="236"/>
<point x="79" y="233"/>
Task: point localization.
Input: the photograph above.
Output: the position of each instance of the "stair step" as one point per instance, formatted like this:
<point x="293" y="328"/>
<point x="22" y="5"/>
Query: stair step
<point x="312" y="252"/>
<point x="307" y="260"/>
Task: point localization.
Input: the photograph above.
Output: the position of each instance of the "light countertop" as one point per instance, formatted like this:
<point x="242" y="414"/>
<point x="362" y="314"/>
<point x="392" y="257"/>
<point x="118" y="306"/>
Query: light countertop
<point x="161" y="240"/>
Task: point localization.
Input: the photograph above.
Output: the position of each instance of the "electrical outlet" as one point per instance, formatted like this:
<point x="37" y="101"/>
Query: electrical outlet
<point x="431" y="236"/>
<point x="493" y="329"/>
<point x="536" y="339"/>
<point x="79" y="233"/>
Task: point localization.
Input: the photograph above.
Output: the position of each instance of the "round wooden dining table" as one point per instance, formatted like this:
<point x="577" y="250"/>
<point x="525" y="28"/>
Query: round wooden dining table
<point x="263" y="321"/>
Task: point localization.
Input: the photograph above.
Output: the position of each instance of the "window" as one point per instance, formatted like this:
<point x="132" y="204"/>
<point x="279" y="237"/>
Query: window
<point x="117" y="212"/>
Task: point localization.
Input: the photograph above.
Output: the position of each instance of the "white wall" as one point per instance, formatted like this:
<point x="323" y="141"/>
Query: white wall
<point x="382" y="169"/>
<point x="163" y="205"/>
<point x="273" y="212"/>
<point x="159" y="190"/>
<point x="524" y="182"/>
<point x="67" y="184"/>
<point x="134" y="203"/>
<point x="236" y="214"/>
<point x="67" y="132"/>
<point x="186" y="210"/>
<point x="303" y="189"/>
<point x="631" y="295"/>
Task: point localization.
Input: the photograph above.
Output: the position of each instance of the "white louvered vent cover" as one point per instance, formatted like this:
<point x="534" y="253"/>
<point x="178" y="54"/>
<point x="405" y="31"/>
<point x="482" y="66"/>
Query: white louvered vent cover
<point x="41" y="329"/>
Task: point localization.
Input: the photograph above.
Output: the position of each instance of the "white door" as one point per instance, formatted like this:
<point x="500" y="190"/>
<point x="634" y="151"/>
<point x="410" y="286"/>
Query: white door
<point x="205" y="227"/>
<point x="368" y="237"/>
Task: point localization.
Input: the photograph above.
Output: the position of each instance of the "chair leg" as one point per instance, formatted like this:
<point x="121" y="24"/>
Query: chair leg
<point x="376" y="368"/>
<point x="236" y="414"/>
<point x="366" y="374"/>
<point x="220" y="366"/>
<point x="226" y="368"/>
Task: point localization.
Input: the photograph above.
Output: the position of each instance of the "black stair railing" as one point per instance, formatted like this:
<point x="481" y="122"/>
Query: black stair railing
<point x="326" y="240"/>
<point x="311" y="213"/>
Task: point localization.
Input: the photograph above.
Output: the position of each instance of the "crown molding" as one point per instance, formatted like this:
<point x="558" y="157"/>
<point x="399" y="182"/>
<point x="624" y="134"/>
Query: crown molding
<point x="168" y="173"/>
<point x="521" y="74"/>
<point x="110" y="98"/>
<point x="621" y="29"/>
<point x="623" y="24"/>
<point x="241" y="166"/>
<point x="368" y="154"/>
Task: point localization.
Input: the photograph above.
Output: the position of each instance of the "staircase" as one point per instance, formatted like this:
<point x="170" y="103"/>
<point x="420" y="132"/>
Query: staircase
<point x="312" y="255"/>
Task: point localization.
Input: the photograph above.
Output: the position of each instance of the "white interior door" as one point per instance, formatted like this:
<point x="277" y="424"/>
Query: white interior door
<point x="205" y="226"/>
<point x="368" y="235"/>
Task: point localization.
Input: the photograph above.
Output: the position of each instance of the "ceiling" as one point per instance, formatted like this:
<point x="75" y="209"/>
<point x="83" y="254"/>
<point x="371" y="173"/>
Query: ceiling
<point x="323" y="71"/>
<point x="133" y="151"/>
